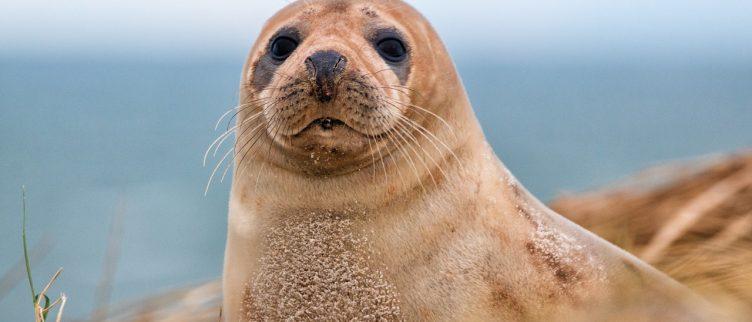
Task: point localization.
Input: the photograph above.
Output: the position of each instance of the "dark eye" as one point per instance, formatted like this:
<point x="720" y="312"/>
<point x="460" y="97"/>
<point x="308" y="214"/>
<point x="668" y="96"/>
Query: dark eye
<point x="283" y="47"/>
<point x="392" y="49"/>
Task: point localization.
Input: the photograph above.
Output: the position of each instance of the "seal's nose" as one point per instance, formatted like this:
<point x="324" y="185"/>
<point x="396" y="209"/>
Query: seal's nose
<point x="325" y="67"/>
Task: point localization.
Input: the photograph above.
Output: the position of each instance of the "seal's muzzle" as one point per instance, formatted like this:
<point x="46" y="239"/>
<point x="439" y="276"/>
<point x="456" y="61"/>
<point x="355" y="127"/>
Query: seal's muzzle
<point x="325" y="67"/>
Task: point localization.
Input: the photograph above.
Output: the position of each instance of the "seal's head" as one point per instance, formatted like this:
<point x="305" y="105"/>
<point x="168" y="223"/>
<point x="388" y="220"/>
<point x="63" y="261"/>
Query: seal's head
<point x="330" y="86"/>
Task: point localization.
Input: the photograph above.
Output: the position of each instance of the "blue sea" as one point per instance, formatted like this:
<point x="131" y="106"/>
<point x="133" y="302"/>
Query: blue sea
<point x="91" y="139"/>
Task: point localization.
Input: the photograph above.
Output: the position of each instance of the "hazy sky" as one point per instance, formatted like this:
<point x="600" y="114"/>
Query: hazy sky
<point x="540" y="29"/>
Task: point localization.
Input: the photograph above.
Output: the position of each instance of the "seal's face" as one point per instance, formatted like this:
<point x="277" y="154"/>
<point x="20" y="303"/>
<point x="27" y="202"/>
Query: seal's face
<point x="327" y="84"/>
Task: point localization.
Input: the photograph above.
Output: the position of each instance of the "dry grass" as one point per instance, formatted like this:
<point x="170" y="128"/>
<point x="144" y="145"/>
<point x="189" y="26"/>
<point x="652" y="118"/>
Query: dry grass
<point x="42" y="306"/>
<point x="691" y="220"/>
<point x="189" y="304"/>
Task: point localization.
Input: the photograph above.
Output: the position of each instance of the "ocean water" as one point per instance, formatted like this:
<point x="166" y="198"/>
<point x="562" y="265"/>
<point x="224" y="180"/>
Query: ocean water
<point x="93" y="139"/>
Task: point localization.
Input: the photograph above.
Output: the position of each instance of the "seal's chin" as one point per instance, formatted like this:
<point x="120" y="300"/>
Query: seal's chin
<point x="327" y="146"/>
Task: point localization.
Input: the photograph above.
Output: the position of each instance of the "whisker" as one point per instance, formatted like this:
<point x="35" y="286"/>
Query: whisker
<point x="240" y="107"/>
<point x="392" y="157"/>
<point x="231" y="163"/>
<point x="222" y="161"/>
<point x="373" y="158"/>
<point x="425" y="131"/>
<point x="451" y="129"/>
<point x="396" y="89"/>
<point x="254" y="103"/>
<point x="401" y="130"/>
<point x="376" y="72"/>
<point x="434" y="139"/>
<point x="402" y="88"/>
<point x="405" y="154"/>
<point x="381" y="159"/>
<point x="278" y="126"/>
<point x="221" y="138"/>
<point x="250" y="118"/>
<point x="216" y="126"/>
<point x="401" y="120"/>
<point x="255" y="137"/>
<point x="214" y="172"/>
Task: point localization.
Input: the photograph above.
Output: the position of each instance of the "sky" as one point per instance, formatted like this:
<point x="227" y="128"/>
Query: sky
<point x="540" y="30"/>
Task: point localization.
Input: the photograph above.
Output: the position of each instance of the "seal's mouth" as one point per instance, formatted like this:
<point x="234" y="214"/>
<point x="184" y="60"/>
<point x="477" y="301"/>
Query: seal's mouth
<point x="328" y="126"/>
<point x="327" y="123"/>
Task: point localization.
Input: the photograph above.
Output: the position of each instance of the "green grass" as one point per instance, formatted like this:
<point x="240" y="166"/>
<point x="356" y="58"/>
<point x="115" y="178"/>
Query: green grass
<point x="40" y="311"/>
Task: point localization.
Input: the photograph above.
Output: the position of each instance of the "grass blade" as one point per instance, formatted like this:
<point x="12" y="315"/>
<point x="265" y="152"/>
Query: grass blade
<point x="26" y="246"/>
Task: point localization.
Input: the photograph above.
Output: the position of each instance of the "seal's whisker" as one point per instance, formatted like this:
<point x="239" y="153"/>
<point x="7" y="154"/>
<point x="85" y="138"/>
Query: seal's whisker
<point x="248" y="85"/>
<point x="405" y="87"/>
<point x="228" y="135"/>
<point x="254" y="103"/>
<point x="270" y="142"/>
<point x="391" y="156"/>
<point x="405" y="153"/>
<point x="420" y="129"/>
<point x="238" y="108"/>
<point x="255" y="137"/>
<point x="421" y="109"/>
<point x="218" y="142"/>
<point x="396" y="114"/>
<point x="408" y="157"/>
<point x="232" y="151"/>
<point x="376" y="72"/>
<point x="381" y="159"/>
<point x="441" y="119"/>
<point x="403" y="130"/>
<point x="402" y="88"/>
<point x="425" y="131"/>
<point x="402" y="122"/>
<point x="272" y="120"/>
<point x="208" y="150"/>
<point x="225" y="172"/>
<point x="214" y="172"/>
<point x="371" y="152"/>
<point x="229" y="164"/>
<point x="216" y="126"/>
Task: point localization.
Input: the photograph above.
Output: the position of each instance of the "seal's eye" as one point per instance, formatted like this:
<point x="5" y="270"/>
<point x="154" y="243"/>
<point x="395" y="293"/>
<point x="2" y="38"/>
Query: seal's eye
<point x="392" y="49"/>
<point x="282" y="47"/>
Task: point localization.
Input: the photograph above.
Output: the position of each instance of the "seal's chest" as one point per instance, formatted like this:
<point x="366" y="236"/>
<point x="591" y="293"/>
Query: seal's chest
<point x="318" y="266"/>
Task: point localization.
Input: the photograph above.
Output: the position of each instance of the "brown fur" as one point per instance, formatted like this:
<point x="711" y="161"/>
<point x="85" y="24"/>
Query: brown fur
<point x="403" y="212"/>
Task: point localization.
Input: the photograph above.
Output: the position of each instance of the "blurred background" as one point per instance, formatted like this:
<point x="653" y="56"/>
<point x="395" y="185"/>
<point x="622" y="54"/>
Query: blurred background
<point x="106" y="108"/>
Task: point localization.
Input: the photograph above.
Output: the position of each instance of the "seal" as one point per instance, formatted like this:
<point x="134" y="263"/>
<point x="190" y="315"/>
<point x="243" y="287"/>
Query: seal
<point x="363" y="188"/>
